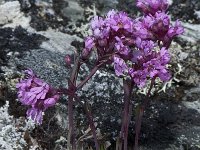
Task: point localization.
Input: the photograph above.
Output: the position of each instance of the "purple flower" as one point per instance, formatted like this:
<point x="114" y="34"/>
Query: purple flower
<point x="119" y="20"/>
<point x="97" y="22"/>
<point x="156" y="26"/>
<point x="175" y="30"/>
<point x="139" y="77"/>
<point x="104" y="33"/>
<point x="36" y="94"/>
<point x="149" y="65"/>
<point x="160" y="24"/>
<point x="89" y="43"/>
<point x="145" y="46"/>
<point x="156" y="69"/>
<point x="35" y="114"/>
<point x="152" y="6"/>
<point x="99" y="28"/>
<point x="119" y="66"/>
<point x="141" y="30"/>
<point x="120" y="47"/>
<point x="138" y="47"/>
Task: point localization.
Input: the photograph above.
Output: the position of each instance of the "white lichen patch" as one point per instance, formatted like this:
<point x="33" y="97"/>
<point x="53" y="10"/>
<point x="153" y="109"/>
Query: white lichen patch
<point x="12" y="130"/>
<point x="84" y="28"/>
<point x="11" y="15"/>
<point x="9" y="137"/>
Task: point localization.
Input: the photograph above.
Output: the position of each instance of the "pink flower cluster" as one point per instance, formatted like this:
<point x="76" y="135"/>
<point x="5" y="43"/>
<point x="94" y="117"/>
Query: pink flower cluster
<point x="37" y="94"/>
<point x="152" y="6"/>
<point x="139" y="47"/>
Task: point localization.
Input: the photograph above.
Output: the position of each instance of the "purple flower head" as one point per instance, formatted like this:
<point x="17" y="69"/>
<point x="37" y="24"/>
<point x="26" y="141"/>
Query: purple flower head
<point x="138" y="47"/>
<point x="156" y="69"/>
<point x="160" y="24"/>
<point x="149" y="65"/>
<point x="89" y="43"/>
<point x="99" y="28"/>
<point x="119" y="20"/>
<point x="97" y="22"/>
<point x="104" y="33"/>
<point x="139" y="77"/>
<point x="141" y="30"/>
<point x="121" y="48"/>
<point x="35" y="114"/>
<point x="145" y="46"/>
<point x="155" y="27"/>
<point x="36" y="94"/>
<point x="119" y="66"/>
<point x="175" y="30"/>
<point x="152" y="6"/>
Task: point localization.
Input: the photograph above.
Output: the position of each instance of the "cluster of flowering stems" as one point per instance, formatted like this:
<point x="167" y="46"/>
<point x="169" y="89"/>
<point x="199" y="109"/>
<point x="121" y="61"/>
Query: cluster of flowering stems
<point x="138" y="50"/>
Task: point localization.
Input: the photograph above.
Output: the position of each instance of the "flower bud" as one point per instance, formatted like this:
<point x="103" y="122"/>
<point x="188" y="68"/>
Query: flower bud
<point x="85" y="53"/>
<point x="102" y="42"/>
<point x="68" y="60"/>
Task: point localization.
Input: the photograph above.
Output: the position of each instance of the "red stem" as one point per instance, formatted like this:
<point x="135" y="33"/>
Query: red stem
<point x="72" y="89"/>
<point x="71" y="123"/>
<point x="140" y="115"/>
<point x="91" y="122"/>
<point x="71" y="83"/>
<point x="126" y="113"/>
<point x="88" y="77"/>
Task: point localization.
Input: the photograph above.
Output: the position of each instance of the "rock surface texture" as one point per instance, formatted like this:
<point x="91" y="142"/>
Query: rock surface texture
<point x="39" y="34"/>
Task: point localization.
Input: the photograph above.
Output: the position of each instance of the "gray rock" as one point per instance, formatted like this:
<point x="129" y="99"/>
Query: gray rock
<point x="167" y="124"/>
<point x="11" y="16"/>
<point x="73" y="11"/>
<point x="192" y="33"/>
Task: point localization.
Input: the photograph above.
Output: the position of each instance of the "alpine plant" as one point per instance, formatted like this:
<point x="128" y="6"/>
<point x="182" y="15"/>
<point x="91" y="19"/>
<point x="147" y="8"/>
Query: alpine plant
<point x="137" y="48"/>
<point x="37" y="95"/>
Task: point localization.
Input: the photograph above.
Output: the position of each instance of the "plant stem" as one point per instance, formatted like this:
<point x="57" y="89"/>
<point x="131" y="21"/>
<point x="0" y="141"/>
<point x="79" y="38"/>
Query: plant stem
<point x="71" y="123"/>
<point x="126" y="113"/>
<point x="70" y="103"/>
<point x="72" y="89"/>
<point x="91" y="122"/>
<point x="88" y="77"/>
<point x="140" y="115"/>
<point x="72" y="83"/>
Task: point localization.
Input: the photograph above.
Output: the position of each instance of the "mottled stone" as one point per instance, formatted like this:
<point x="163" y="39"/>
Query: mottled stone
<point x="11" y="16"/>
<point x="171" y="120"/>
